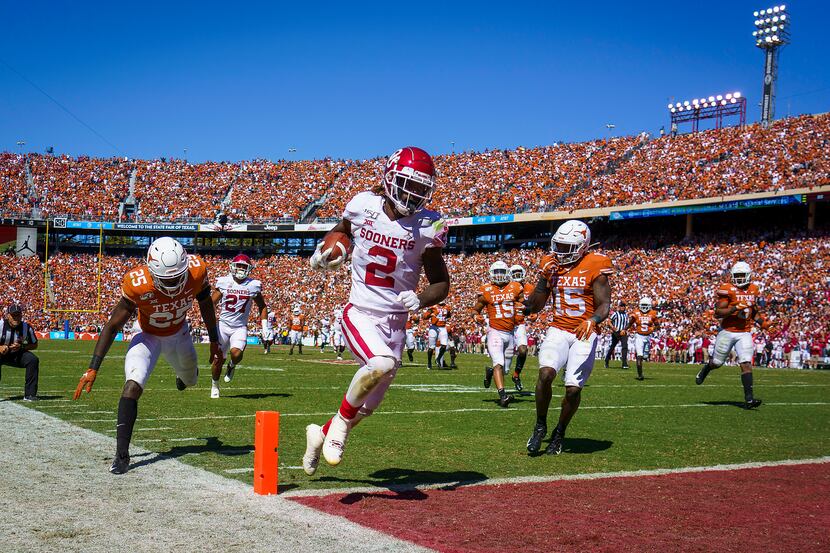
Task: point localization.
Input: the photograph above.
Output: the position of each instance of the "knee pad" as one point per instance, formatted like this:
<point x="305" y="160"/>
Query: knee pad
<point x="382" y="364"/>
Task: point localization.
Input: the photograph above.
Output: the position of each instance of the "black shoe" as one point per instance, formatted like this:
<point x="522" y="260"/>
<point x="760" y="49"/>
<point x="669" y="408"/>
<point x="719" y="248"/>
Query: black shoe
<point x="752" y="403"/>
<point x="606" y="365"/>
<point x="488" y="376"/>
<point x="534" y="443"/>
<point x="429" y="366"/>
<point x="640" y="377"/>
<point x="517" y="381"/>
<point x="505" y="401"/>
<point x="453" y="366"/>
<point x="625" y="367"/>
<point x="701" y="376"/>
<point x="120" y="465"/>
<point x="555" y="445"/>
<point x="180" y="385"/>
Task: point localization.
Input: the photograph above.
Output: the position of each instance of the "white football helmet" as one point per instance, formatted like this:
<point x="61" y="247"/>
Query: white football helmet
<point x="645" y="304"/>
<point x="241" y="267"/>
<point x="517" y="273"/>
<point x="499" y="273"/>
<point x="741" y="274"/>
<point x="296" y="310"/>
<point x="167" y="261"/>
<point x="570" y="241"/>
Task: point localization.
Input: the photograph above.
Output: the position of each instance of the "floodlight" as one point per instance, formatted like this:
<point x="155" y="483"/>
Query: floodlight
<point x="677" y="105"/>
<point x="737" y="95"/>
<point x="783" y="17"/>
<point x="776" y="9"/>
<point x="671" y="106"/>
<point x="732" y="101"/>
<point x="775" y="38"/>
<point x="728" y="96"/>
<point x="763" y="12"/>
<point x="711" y="98"/>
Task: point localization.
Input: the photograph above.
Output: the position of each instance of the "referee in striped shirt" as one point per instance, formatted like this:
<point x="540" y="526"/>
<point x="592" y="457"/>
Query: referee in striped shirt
<point x="619" y="325"/>
<point x="17" y="340"/>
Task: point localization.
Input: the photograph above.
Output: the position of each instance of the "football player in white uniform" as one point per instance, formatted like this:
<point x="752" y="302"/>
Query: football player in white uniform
<point x="393" y="238"/>
<point x="338" y="341"/>
<point x="233" y="294"/>
<point x="267" y="333"/>
<point x="324" y="333"/>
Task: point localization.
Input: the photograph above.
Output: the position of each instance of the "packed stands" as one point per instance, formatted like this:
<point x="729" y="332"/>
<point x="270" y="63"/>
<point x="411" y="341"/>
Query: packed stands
<point x="791" y="153"/>
<point x="793" y="271"/>
<point x="14" y="196"/>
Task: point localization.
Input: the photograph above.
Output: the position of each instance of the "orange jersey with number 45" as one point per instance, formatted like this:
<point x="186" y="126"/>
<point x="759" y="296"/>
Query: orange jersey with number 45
<point x="573" y="289"/>
<point x="501" y="304"/>
<point x="158" y="313"/>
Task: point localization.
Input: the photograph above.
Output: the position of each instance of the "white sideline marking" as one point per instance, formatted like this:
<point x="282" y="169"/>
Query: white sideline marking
<point x="170" y="440"/>
<point x="561" y="477"/>
<point x="143" y="429"/>
<point x="462" y="410"/>
<point x="189" y="500"/>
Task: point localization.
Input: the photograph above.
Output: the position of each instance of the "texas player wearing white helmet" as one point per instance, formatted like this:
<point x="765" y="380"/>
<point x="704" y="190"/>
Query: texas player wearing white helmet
<point x="737" y="308"/>
<point x="233" y="294"/>
<point x="517" y="274"/>
<point x="579" y="281"/>
<point x="393" y="239"/>
<point x="162" y="291"/>
<point x="644" y="322"/>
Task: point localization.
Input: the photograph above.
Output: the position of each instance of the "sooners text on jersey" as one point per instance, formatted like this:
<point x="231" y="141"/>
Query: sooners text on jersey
<point x="158" y="313"/>
<point x="236" y="299"/>
<point x="386" y="258"/>
<point x="574" y="292"/>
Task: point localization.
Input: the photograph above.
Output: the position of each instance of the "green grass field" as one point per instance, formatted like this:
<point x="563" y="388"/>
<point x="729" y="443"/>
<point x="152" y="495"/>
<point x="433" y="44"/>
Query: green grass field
<point x="443" y="426"/>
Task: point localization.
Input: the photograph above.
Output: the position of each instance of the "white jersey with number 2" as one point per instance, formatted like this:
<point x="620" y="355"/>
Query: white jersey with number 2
<point x="236" y="299"/>
<point x="386" y="258"/>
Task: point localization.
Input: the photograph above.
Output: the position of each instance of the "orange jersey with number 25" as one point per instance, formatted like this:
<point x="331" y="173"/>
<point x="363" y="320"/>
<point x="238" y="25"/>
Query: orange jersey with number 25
<point x="158" y="313"/>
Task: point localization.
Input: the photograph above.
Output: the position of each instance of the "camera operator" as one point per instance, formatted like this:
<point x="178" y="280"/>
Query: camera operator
<point x="17" y="339"/>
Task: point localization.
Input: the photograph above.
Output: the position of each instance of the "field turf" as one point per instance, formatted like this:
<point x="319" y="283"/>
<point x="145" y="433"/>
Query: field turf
<point x="442" y="426"/>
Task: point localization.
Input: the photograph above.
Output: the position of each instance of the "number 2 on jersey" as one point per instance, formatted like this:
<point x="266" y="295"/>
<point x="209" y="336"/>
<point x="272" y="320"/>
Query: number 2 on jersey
<point x="372" y="269"/>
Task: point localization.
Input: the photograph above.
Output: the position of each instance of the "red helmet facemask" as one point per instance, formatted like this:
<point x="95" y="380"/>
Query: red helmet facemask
<point x="409" y="179"/>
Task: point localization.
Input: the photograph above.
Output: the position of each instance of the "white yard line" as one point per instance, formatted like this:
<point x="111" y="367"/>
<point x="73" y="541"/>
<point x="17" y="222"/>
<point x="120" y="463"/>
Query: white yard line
<point x="561" y="477"/>
<point x="464" y="410"/>
<point x="59" y="496"/>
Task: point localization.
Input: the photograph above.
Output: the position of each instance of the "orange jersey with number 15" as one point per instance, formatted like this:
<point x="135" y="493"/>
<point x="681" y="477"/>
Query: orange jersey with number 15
<point x="573" y="287"/>
<point x="158" y="313"/>
<point x="501" y="304"/>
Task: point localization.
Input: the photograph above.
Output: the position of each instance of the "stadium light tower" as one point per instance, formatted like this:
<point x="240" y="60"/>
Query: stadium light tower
<point x="713" y="107"/>
<point x="772" y="31"/>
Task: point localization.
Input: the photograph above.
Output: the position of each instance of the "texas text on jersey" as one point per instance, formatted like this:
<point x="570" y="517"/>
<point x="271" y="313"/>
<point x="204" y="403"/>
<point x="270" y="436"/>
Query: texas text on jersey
<point x="500" y="304"/>
<point x="573" y="287"/>
<point x="236" y="299"/>
<point x="158" y="313"/>
<point x="644" y="323"/>
<point x="386" y="258"/>
<point x="742" y="320"/>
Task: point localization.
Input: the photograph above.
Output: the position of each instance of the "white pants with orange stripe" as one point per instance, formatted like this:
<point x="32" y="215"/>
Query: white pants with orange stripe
<point x="145" y="349"/>
<point x="369" y="334"/>
<point x="500" y="345"/>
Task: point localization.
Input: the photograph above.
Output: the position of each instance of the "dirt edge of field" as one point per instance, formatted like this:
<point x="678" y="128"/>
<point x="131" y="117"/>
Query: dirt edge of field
<point x="57" y="495"/>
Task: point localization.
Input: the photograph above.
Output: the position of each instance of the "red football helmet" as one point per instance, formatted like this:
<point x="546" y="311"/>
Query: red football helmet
<point x="409" y="179"/>
<point x="241" y="267"/>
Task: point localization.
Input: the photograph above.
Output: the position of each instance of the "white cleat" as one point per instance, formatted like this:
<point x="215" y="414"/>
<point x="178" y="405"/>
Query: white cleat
<point x="335" y="441"/>
<point x="214" y="390"/>
<point x="313" y="444"/>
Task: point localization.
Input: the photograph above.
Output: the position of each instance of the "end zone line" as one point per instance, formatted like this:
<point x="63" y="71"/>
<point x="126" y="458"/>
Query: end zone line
<point x="557" y="478"/>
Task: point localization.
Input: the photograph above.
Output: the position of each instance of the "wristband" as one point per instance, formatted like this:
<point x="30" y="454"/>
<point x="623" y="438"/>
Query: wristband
<point x="95" y="363"/>
<point x="213" y="334"/>
<point x="594" y="318"/>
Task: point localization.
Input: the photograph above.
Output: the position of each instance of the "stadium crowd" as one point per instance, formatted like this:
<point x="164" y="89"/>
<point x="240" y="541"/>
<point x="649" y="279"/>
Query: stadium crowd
<point x="792" y="270"/>
<point x="791" y="153"/>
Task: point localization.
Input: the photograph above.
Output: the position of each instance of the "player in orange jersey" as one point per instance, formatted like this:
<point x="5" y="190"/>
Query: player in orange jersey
<point x="737" y="309"/>
<point x="644" y="322"/>
<point x="499" y="297"/>
<point x="579" y="281"/>
<point x="437" y="315"/>
<point x="296" y="325"/>
<point x="162" y="291"/>
<point x="517" y="274"/>
<point x="410" y="327"/>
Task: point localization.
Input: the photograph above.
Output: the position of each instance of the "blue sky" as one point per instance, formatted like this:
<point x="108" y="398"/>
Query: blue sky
<point x="241" y="80"/>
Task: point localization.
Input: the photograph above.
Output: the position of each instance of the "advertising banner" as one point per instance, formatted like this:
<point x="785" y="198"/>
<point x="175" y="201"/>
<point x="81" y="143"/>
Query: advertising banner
<point x="707" y="208"/>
